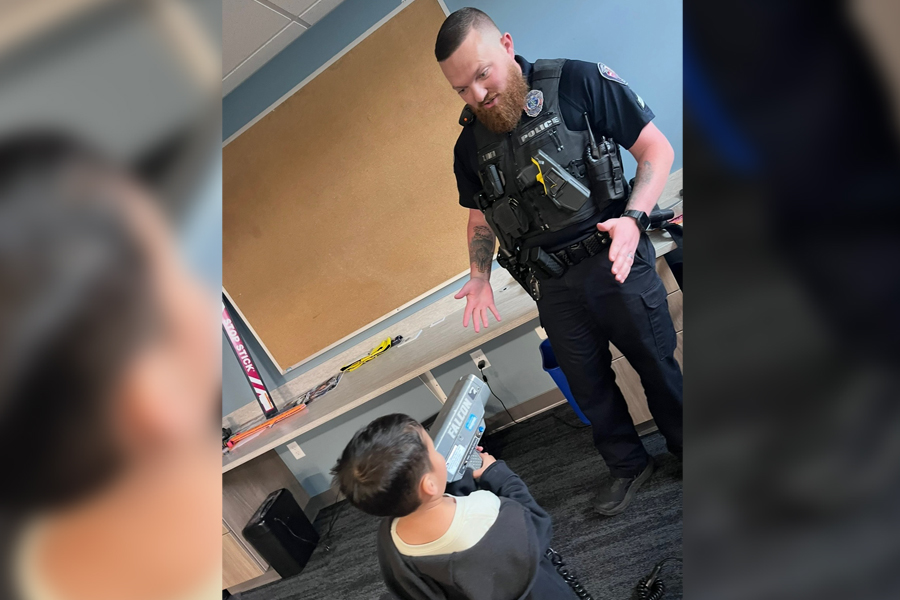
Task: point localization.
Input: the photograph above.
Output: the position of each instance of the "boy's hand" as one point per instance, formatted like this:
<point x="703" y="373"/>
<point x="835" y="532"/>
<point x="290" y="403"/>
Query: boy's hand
<point x="486" y="461"/>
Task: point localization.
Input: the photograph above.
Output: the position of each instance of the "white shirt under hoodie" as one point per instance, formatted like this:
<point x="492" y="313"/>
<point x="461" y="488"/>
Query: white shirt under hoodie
<point x="474" y="515"/>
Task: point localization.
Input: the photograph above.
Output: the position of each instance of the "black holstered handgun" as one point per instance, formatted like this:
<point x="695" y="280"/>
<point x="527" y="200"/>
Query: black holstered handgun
<point x="520" y="272"/>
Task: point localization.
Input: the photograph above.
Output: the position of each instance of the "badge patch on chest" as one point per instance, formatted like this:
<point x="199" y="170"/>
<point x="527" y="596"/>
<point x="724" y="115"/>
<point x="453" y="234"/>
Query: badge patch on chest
<point x="534" y="102"/>
<point x="608" y="73"/>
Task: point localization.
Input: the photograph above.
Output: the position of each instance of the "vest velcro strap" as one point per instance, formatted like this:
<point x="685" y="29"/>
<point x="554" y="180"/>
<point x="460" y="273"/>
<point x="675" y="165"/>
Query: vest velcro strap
<point x="547" y="69"/>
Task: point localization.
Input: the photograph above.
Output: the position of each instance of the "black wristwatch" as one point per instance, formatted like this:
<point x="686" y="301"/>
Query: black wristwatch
<point x="640" y="216"/>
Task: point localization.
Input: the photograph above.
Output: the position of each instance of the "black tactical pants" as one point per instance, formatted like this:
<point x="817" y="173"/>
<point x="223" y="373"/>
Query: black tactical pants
<point x="585" y="310"/>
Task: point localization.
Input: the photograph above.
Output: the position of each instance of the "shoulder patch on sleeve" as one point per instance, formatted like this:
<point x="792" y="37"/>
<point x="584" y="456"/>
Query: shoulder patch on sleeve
<point x="640" y="101"/>
<point x="608" y="73"/>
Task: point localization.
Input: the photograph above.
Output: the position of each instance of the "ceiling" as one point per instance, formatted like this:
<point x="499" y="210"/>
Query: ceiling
<point x="254" y="31"/>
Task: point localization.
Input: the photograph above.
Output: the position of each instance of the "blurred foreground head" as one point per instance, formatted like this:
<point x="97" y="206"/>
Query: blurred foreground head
<point x="106" y="357"/>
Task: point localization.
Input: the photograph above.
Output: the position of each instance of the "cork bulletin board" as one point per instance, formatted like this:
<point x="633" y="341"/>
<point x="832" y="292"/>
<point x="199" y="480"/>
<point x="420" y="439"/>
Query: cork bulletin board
<point x="340" y="206"/>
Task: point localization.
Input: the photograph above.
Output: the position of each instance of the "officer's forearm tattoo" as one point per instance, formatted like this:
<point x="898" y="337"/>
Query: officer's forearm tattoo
<point x="481" y="248"/>
<point x="641" y="179"/>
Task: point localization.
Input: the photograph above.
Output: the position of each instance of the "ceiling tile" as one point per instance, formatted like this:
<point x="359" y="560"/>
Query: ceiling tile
<point x="246" y="26"/>
<point x="319" y="10"/>
<point x="261" y="57"/>
<point x="295" y="7"/>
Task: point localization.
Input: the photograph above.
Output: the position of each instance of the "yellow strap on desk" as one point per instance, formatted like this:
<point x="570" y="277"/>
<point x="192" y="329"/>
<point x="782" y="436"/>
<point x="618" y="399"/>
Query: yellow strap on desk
<point x="372" y="354"/>
<point x="381" y="347"/>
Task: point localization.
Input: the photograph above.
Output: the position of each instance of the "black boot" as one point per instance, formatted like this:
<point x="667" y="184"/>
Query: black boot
<point x="616" y="494"/>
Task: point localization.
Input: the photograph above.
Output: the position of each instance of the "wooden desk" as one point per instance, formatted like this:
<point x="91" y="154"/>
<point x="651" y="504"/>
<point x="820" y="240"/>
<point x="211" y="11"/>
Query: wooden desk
<point x="432" y="336"/>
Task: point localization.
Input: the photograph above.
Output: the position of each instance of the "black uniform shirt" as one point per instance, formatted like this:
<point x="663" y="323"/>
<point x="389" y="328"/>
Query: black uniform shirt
<point x="614" y="109"/>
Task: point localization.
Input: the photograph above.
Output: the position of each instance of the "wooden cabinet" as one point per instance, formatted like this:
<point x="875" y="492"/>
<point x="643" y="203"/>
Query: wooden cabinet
<point x="626" y="377"/>
<point x="243" y="490"/>
<point x="237" y="565"/>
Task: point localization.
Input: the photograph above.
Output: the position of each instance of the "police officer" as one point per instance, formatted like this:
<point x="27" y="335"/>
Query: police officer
<point x="533" y="178"/>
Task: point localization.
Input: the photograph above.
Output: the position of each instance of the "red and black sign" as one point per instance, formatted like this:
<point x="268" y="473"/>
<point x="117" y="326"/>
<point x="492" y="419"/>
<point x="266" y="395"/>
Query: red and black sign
<point x="250" y="371"/>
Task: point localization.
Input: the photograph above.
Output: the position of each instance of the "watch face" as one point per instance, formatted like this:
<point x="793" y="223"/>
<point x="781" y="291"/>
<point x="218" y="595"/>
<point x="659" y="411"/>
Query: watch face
<point x="642" y="219"/>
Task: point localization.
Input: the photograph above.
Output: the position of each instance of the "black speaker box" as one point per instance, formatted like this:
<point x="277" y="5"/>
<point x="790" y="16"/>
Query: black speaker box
<point x="281" y="533"/>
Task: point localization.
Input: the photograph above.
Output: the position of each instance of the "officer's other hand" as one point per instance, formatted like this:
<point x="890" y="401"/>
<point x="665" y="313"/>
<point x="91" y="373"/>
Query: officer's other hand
<point x="486" y="461"/>
<point x="625" y="236"/>
<point x="479" y="300"/>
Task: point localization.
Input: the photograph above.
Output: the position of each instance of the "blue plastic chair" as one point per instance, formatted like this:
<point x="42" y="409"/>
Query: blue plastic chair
<point x="552" y="367"/>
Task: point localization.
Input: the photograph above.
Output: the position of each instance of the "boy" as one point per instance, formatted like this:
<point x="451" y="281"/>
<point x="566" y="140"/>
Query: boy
<point x="487" y="543"/>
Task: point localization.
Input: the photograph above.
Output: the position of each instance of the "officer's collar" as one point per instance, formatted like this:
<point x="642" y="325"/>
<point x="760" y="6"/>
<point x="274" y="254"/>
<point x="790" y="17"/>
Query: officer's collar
<point x="527" y="68"/>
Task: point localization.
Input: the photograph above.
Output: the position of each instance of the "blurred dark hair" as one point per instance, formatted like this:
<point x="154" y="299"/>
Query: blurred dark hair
<point x="455" y="29"/>
<point x="74" y="302"/>
<point x="380" y="469"/>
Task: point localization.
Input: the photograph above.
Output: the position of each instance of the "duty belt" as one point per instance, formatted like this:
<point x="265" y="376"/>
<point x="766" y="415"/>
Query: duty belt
<point x="590" y="246"/>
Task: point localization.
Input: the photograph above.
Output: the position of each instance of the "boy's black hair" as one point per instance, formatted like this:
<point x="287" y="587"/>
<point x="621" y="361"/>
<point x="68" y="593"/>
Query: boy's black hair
<point x="455" y="29"/>
<point x="75" y="300"/>
<point x="380" y="469"/>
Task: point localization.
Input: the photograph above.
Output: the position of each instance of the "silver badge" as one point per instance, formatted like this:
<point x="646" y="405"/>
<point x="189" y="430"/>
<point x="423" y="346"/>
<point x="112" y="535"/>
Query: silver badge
<point x="534" y="102"/>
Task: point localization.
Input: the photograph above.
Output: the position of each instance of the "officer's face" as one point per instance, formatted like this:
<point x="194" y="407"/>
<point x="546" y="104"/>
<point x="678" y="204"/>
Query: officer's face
<point x="480" y="69"/>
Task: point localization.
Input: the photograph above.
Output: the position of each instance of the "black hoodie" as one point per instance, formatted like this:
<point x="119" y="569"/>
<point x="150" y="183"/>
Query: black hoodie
<point x="508" y="563"/>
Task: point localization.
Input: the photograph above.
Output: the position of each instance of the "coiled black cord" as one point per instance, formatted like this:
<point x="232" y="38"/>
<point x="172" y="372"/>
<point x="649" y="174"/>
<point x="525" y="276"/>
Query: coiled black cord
<point x="567" y="574"/>
<point x="654" y="591"/>
<point x="652" y="587"/>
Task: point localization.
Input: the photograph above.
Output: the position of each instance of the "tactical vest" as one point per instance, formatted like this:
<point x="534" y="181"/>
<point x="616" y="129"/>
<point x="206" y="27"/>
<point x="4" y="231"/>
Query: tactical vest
<point x="542" y="177"/>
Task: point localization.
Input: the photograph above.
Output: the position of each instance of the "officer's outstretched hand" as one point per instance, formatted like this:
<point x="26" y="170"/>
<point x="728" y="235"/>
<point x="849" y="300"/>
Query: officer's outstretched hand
<point x="479" y="300"/>
<point x="625" y="236"/>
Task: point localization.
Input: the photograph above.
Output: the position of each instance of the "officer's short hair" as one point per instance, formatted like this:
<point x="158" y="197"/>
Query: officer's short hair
<point x="455" y="29"/>
<point x="380" y="469"/>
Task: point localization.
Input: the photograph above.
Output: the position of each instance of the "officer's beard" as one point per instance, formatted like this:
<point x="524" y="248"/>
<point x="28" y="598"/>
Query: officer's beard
<point x="506" y="114"/>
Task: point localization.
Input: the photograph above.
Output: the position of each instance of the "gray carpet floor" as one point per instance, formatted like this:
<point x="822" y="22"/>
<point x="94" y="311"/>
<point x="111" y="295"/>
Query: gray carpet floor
<point x="561" y="468"/>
